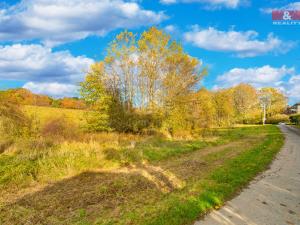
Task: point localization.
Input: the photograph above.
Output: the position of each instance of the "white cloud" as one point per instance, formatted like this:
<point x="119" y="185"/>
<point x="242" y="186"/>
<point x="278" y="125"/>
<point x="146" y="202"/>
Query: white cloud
<point x="291" y="6"/>
<point x="210" y="4"/>
<point x="292" y="88"/>
<point x="257" y="76"/>
<point x="60" y="21"/>
<point x="171" y="29"/>
<point x="38" y="63"/>
<point x="45" y="72"/>
<point x="52" y="89"/>
<point x="243" y="44"/>
<point x="169" y="1"/>
<point x="282" y="78"/>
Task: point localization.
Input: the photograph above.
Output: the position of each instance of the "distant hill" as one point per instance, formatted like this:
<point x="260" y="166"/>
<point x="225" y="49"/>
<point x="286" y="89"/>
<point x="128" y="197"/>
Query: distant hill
<point x="23" y="96"/>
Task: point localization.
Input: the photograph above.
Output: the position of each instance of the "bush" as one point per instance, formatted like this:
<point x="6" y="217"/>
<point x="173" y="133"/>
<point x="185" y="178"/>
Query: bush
<point x="277" y="119"/>
<point x="133" y="121"/>
<point x="60" y="128"/>
<point x="5" y="145"/>
<point x="13" y="122"/>
<point x="295" y="119"/>
<point x="137" y="122"/>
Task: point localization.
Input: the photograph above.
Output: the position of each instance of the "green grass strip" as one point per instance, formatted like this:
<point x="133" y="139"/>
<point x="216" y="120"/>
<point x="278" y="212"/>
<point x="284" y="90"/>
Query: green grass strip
<point x="223" y="183"/>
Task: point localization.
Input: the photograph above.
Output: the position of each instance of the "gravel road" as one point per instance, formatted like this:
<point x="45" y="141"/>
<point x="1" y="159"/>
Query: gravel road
<point x="273" y="198"/>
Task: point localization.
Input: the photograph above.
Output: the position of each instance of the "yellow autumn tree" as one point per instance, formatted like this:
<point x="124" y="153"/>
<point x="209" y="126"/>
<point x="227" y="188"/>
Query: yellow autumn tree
<point x="246" y="103"/>
<point x="148" y="80"/>
<point x="224" y="105"/>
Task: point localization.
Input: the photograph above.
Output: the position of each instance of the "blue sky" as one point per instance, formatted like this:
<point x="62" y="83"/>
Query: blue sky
<point x="46" y="45"/>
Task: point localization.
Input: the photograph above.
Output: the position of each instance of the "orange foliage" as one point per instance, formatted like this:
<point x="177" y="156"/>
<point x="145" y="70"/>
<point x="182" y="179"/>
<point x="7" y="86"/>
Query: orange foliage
<point x="25" y="97"/>
<point x="22" y="96"/>
<point x="72" y="103"/>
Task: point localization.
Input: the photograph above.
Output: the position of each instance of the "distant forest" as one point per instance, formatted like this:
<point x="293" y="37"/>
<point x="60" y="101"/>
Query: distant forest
<point x="22" y="96"/>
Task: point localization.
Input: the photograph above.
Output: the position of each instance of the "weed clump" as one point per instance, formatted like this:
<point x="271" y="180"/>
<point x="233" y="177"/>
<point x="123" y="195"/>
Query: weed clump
<point x="60" y="128"/>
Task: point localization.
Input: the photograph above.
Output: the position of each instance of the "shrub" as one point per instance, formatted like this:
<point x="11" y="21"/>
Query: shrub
<point x="13" y="122"/>
<point x="4" y="145"/>
<point x="60" y="128"/>
<point x="137" y="122"/>
<point x="133" y="121"/>
<point x="278" y="118"/>
<point x="97" y="122"/>
<point x="295" y="119"/>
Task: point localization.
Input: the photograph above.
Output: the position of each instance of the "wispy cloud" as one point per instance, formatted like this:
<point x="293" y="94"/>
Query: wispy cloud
<point x="209" y="4"/>
<point x="290" y="6"/>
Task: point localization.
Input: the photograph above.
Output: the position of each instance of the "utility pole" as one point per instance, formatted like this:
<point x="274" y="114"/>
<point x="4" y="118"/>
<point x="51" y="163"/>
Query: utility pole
<point x="264" y="114"/>
<point x="264" y="102"/>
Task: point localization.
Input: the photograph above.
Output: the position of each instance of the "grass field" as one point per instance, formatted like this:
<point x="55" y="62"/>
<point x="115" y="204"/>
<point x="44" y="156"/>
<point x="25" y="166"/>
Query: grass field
<point x="111" y="178"/>
<point x="43" y="114"/>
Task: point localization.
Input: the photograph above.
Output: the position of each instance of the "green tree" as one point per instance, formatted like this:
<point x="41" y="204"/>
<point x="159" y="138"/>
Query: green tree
<point x="94" y="92"/>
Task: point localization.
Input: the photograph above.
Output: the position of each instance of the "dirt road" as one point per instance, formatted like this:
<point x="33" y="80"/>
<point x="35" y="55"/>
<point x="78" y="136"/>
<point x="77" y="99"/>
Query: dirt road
<point x="273" y="198"/>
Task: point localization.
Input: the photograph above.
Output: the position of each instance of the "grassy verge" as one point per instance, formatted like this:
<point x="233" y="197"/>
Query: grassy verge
<point x="222" y="183"/>
<point x="156" y="149"/>
<point x="164" y="182"/>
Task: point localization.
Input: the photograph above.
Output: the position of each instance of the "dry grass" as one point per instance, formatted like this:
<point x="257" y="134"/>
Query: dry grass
<point x="106" y="194"/>
<point x="44" y="114"/>
<point x="87" y="182"/>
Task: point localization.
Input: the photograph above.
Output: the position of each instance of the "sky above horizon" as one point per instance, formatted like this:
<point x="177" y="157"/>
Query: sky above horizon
<point x="47" y="45"/>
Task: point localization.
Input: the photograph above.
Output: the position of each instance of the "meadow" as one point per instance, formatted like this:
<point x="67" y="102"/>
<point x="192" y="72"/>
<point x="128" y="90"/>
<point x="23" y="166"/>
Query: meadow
<point x="44" y="114"/>
<point x="76" y="177"/>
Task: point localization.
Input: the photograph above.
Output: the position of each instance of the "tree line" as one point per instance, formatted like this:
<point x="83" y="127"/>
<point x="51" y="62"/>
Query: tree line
<point x="22" y="96"/>
<point x="149" y="82"/>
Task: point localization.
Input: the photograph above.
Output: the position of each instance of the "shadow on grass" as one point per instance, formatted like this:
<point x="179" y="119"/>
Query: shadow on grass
<point x="91" y="195"/>
<point x="111" y="195"/>
<point x="141" y="194"/>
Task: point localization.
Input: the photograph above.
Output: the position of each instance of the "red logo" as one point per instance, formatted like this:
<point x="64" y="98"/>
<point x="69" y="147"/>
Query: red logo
<point x="286" y="15"/>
